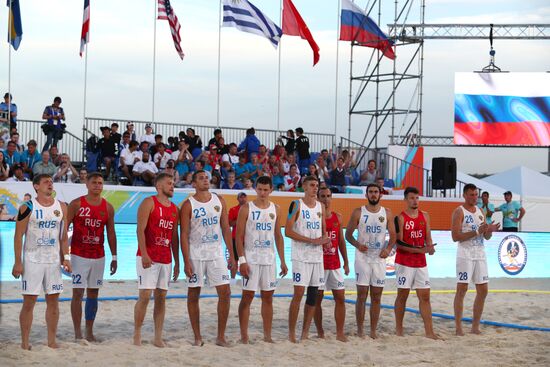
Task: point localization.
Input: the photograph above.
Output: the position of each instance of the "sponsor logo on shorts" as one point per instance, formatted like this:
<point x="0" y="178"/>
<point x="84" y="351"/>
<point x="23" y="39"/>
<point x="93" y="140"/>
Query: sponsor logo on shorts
<point x="272" y="284"/>
<point x="512" y="255"/>
<point x="225" y="277"/>
<point x="57" y="287"/>
<point x="427" y="282"/>
<point x="380" y="281"/>
<point x="100" y="282"/>
<point x="322" y="280"/>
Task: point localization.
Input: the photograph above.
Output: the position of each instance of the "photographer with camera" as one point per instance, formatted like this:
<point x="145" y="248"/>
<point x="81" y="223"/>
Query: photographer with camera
<point x="53" y="128"/>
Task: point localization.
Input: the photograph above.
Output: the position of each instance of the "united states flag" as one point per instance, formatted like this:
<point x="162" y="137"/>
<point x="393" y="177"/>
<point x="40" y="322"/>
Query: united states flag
<point x="85" y="35"/>
<point x="165" y="11"/>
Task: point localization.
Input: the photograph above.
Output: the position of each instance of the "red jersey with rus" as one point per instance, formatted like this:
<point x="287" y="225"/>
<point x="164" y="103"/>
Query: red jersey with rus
<point x="158" y="232"/>
<point x="88" y="230"/>
<point x="331" y="258"/>
<point x="233" y="215"/>
<point x="414" y="233"/>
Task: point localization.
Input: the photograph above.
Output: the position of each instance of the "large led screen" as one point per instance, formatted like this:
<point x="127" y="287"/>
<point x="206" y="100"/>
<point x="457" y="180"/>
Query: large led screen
<point x="502" y="109"/>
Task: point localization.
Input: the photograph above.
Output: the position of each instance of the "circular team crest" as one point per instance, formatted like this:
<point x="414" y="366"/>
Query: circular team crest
<point x="512" y="254"/>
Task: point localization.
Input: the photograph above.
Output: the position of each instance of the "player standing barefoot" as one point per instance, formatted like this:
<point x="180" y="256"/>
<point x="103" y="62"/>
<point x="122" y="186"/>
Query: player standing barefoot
<point x="203" y="222"/>
<point x="371" y="221"/>
<point x="306" y="227"/>
<point x="334" y="279"/>
<point x="43" y="222"/>
<point x="469" y="229"/>
<point x="157" y="234"/>
<point x="411" y="270"/>
<point x="90" y="214"/>
<point x="258" y="231"/>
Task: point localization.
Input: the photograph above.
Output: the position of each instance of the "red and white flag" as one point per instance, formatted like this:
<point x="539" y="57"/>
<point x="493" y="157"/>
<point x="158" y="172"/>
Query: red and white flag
<point x="165" y="11"/>
<point x="294" y="25"/>
<point x="85" y="34"/>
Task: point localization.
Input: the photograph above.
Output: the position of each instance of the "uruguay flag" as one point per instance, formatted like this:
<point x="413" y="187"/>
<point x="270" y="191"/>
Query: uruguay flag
<point x="355" y="25"/>
<point x="15" y="29"/>
<point x="244" y="16"/>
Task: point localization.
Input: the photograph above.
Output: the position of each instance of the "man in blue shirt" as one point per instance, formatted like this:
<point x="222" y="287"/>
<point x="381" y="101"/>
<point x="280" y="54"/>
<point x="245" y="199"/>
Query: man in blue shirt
<point x="512" y="213"/>
<point x="486" y="207"/>
<point x="254" y="168"/>
<point x="12" y="107"/>
<point x="250" y="144"/>
<point x="53" y="114"/>
<point x="29" y="157"/>
<point x="11" y="155"/>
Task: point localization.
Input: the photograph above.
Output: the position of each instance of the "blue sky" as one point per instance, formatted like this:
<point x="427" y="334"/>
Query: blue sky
<point x="120" y="66"/>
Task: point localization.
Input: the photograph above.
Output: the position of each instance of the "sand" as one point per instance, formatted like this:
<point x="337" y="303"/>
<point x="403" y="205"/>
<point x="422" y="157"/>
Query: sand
<point x="114" y="326"/>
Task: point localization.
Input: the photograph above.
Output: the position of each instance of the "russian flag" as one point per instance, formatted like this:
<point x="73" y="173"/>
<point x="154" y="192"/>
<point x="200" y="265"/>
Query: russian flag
<point x="355" y="25"/>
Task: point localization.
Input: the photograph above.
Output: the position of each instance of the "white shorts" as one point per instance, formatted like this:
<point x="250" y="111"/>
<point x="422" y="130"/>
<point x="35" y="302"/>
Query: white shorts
<point x="307" y="274"/>
<point x="407" y="277"/>
<point x="373" y="274"/>
<point x="474" y="271"/>
<point x="156" y="276"/>
<point x="87" y="273"/>
<point x="334" y="280"/>
<point x="41" y="276"/>
<point x="214" y="271"/>
<point x="260" y="278"/>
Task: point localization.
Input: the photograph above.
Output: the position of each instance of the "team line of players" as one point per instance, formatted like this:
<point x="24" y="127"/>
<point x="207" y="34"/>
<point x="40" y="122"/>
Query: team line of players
<point x="199" y="227"/>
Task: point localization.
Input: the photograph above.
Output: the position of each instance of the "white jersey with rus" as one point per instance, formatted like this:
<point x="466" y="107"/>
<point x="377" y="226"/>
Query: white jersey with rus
<point x="42" y="238"/>
<point x="259" y="237"/>
<point x="308" y="224"/>
<point x="372" y="233"/>
<point x="205" y="233"/>
<point x="474" y="248"/>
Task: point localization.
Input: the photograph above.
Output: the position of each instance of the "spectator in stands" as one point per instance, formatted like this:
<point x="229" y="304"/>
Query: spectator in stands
<point x="126" y="139"/>
<point x="280" y="187"/>
<point x="158" y="140"/>
<point x="312" y="169"/>
<point x="290" y="145"/>
<point x="250" y="144"/>
<point x="17" y="174"/>
<point x="130" y="129"/>
<point x="115" y="135"/>
<point x="66" y="171"/>
<point x="45" y="166"/>
<point x="200" y="165"/>
<point x="186" y="182"/>
<point x="369" y="175"/>
<point x="171" y="170"/>
<point x="54" y="155"/>
<point x="254" y="168"/>
<point x="161" y="157"/>
<point x="143" y="147"/>
<point x="53" y="115"/>
<point x="11" y="155"/>
<point x="325" y="156"/>
<point x="512" y="213"/>
<point x="213" y="158"/>
<point x="231" y="183"/>
<point x="279" y="152"/>
<point x="4" y="167"/>
<point x="144" y="171"/>
<point x="82" y="176"/>
<point x="263" y="155"/>
<point x="182" y="157"/>
<point x="383" y="190"/>
<point x="292" y="180"/>
<point x="30" y="157"/>
<point x="302" y="148"/>
<point x="128" y="157"/>
<point x="271" y="162"/>
<point x="277" y="177"/>
<point x="322" y="170"/>
<point x="338" y="176"/>
<point x="240" y="168"/>
<point x="215" y="140"/>
<point x="215" y="182"/>
<point x="12" y="107"/>
<point x="248" y="185"/>
<point x="108" y="149"/>
<point x="486" y="207"/>
<point x="194" y="141"/>
<point x="15" y="138"/>
<point x="148" y="137"/>
<point x="231" y="158"/>
<point x="222" y="147"/>
<point x="2" y="144"/>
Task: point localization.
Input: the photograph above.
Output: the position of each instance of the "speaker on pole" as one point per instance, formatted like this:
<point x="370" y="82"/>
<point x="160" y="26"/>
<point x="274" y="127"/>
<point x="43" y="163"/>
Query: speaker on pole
<point x="443" y="173"/>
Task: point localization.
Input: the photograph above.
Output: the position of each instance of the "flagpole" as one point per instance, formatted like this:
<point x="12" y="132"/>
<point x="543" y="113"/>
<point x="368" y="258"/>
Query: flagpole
<point x="336" y="76"/>
<point x="154" y="60"/>
<point x="84" y="127"/>
<point x="9" y="65"/>
<point x="219" y="63"/>
<point x="279" y="73"/>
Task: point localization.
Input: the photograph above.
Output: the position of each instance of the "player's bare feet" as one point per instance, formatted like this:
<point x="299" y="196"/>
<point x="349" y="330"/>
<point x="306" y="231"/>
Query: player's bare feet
<point x="159" y="343"/>
<point x="475" y="331"/>
<point x="373" y="335"/>
<point x="433" y="336"/>
<point x="91" y="338"/>
<point x="137" y="340"/>
<point x="361" y="334"/>
<point x="304" y="337"/>
<point x="53" y="345"/>
<point x="198" y="343"/>
<point x="268" y="339"/>
<point x="342" y="338"/>
<point x="78" y="336"/>
<point x="26" y="346"/>
<point x="244" y="341"/>
<point x="221" y="342"/>
<point x="292" y="339"/>
<point x="321" y="334"/>
<point x="459" y="332"/>
<point x="399" y="332"/>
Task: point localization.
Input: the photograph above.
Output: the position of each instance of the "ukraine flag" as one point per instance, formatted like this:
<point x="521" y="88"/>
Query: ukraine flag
<point x="15" y="29"/>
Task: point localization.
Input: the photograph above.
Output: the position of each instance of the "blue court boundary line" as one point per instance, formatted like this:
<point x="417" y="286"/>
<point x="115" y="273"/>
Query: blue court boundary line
<point x="388" y="307"/>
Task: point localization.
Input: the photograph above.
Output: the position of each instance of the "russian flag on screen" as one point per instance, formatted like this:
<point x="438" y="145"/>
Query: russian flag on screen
<point x="502" y="109"/>
<point x="355" y="25"/>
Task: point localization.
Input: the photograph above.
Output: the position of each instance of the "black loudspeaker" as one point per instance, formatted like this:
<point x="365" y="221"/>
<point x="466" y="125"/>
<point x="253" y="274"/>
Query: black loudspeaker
<point x="443" y="173"/>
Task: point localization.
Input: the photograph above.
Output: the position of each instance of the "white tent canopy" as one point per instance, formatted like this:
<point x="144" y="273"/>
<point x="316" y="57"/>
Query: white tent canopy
<point x="523" y="181"/>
